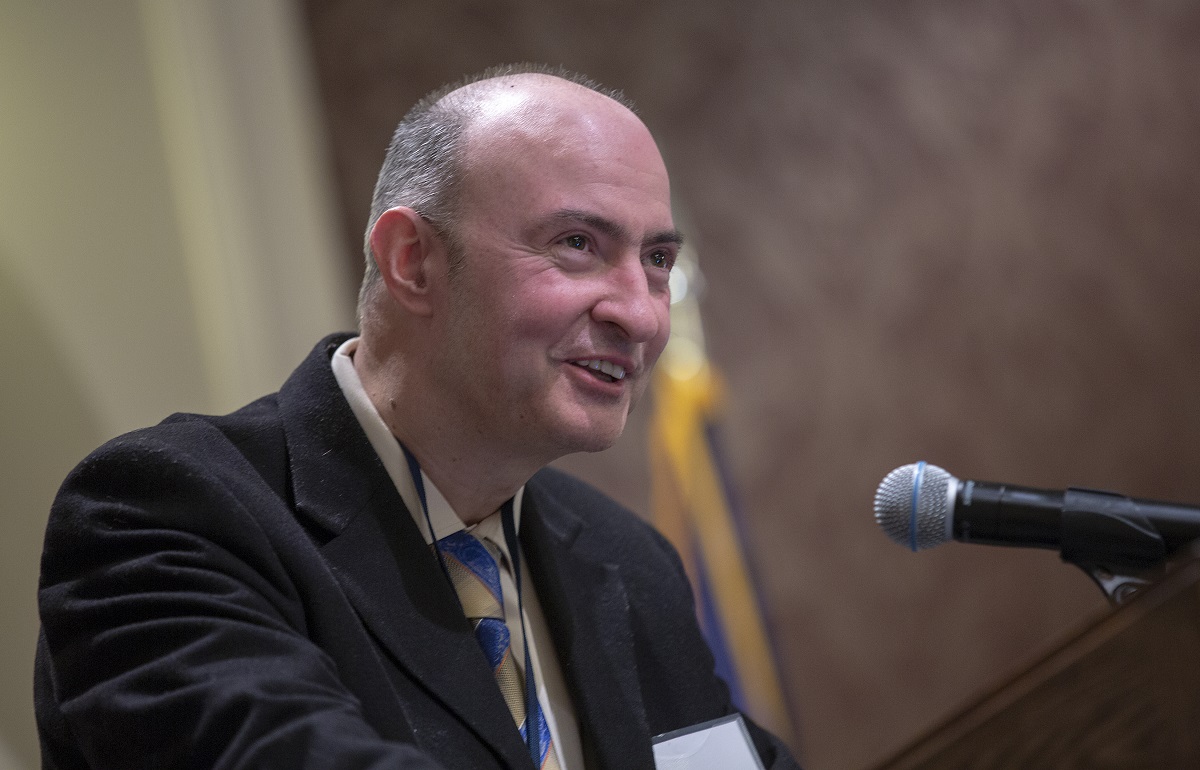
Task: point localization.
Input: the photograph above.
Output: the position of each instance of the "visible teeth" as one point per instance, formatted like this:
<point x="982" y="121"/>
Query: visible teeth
<point x="607" y="367"/>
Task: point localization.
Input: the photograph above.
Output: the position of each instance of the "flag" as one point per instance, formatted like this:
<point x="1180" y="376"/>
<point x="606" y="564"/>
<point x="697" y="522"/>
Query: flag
<point x="693" y="505"/>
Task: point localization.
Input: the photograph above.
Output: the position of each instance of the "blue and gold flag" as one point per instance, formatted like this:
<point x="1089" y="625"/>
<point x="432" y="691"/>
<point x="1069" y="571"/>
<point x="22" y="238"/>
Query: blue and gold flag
<point x="693" y="505"/>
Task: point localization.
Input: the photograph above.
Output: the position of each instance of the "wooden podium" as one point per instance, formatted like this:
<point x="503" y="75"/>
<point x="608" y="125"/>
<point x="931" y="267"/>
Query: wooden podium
<point x="1123" y="694"/>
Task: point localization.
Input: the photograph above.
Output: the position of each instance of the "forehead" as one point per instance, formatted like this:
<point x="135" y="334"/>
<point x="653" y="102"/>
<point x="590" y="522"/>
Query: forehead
<point x="559" y="145"/>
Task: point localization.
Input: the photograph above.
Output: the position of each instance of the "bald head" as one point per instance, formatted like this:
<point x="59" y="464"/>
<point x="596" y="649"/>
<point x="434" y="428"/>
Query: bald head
<point x="427" y="161"/>
<point x="537" y="109"/>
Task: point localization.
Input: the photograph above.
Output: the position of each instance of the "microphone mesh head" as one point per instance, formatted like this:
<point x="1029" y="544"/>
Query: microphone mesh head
<point x="913" y="503"/>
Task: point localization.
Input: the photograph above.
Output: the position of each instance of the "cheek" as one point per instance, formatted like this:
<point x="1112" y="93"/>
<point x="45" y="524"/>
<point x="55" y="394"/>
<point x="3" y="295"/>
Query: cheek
<point x="548" y="315"/>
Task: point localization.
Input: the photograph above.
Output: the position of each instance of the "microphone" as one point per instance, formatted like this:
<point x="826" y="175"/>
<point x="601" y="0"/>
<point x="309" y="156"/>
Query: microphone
<point x="921" y="505"/>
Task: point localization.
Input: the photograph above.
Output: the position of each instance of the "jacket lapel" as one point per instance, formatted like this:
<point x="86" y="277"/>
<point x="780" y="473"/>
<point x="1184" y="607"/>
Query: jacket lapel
<point x="379" y="557"/>
<point x="587" y="609"/>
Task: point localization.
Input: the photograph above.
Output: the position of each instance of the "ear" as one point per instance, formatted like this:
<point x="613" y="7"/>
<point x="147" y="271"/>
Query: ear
<point x="405" y="248"/>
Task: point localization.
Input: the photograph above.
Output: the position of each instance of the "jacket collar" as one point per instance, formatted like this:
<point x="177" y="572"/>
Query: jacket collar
<point x="587" y="608"/>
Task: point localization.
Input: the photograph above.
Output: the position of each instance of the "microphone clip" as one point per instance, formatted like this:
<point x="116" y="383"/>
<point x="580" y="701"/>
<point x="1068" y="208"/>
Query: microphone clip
<point x="1109" y="538"/>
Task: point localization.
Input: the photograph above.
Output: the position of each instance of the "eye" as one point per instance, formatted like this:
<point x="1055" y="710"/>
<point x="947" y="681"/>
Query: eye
<point x="661" y="258"/>
<point x="578" y="242"/>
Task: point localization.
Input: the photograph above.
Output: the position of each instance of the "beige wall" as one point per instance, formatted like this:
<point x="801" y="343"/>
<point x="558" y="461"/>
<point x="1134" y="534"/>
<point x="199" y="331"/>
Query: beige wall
<point x="144" y="269"/>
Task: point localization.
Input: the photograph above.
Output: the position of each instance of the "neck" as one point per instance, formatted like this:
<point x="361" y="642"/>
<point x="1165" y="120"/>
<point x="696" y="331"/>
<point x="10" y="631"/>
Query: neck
<point x="475" y="489"/>
<point x="474" y="476"/>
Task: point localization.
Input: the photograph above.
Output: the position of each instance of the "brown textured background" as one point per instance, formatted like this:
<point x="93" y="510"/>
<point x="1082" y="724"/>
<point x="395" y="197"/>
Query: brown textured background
<point x="964" y="232"/>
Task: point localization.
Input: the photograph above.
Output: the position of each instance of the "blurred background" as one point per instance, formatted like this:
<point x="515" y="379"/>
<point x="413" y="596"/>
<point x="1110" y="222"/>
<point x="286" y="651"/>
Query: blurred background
<point x="965" y="232"/>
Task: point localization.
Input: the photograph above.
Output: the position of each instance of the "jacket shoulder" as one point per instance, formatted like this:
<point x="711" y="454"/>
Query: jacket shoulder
<point x="255" y="424"/>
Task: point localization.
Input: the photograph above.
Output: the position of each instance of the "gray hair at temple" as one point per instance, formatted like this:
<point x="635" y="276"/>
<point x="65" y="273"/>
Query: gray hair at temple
<point x="423" y="166"/>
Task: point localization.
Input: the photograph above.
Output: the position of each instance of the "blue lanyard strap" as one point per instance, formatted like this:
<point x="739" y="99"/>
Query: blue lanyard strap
<point x="532" y="726"/>
<point x="414" y="469"/>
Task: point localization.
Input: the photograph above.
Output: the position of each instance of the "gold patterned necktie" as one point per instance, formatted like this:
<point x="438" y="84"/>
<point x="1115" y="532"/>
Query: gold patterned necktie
<point x="476" y="579"/>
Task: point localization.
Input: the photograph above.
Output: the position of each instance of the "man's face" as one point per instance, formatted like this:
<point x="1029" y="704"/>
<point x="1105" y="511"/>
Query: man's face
<point x="561" y="305"/>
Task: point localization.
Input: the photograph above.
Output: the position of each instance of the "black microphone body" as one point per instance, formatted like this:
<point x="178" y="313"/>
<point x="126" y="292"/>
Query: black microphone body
<point x="1004" y="514"/>
<point x="921" y="505"/>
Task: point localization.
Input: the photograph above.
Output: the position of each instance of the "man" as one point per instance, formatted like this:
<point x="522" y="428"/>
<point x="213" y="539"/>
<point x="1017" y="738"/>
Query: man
<point x="295" y="584"/>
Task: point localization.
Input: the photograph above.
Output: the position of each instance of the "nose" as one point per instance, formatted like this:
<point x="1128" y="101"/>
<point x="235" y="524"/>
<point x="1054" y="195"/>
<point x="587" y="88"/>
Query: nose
<point x="628" y="302"/>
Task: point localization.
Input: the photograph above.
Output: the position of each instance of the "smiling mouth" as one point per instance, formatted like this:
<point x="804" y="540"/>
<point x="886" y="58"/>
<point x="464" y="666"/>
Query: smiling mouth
<point x="604" y="370"/>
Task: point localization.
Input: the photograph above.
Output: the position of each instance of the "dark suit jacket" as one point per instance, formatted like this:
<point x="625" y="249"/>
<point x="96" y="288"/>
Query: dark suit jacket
<point x="249" y="591"/>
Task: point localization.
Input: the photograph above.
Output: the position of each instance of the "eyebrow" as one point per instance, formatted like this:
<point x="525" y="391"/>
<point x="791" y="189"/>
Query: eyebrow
<point x="616" y="231"/>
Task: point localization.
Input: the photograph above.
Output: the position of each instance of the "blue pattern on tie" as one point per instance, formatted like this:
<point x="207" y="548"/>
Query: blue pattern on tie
<point x="490" y="631"/>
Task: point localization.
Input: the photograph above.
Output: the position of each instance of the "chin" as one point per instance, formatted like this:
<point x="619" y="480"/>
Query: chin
<point x="591" y="437"/>
<point x="595" y="445"/>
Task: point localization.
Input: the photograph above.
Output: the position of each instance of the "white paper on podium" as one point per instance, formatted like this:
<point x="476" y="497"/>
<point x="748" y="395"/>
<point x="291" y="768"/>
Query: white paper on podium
<point x="722" y="744"/>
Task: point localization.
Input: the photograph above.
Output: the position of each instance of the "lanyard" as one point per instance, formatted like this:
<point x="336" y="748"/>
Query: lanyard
<point x="508" y="520"/>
